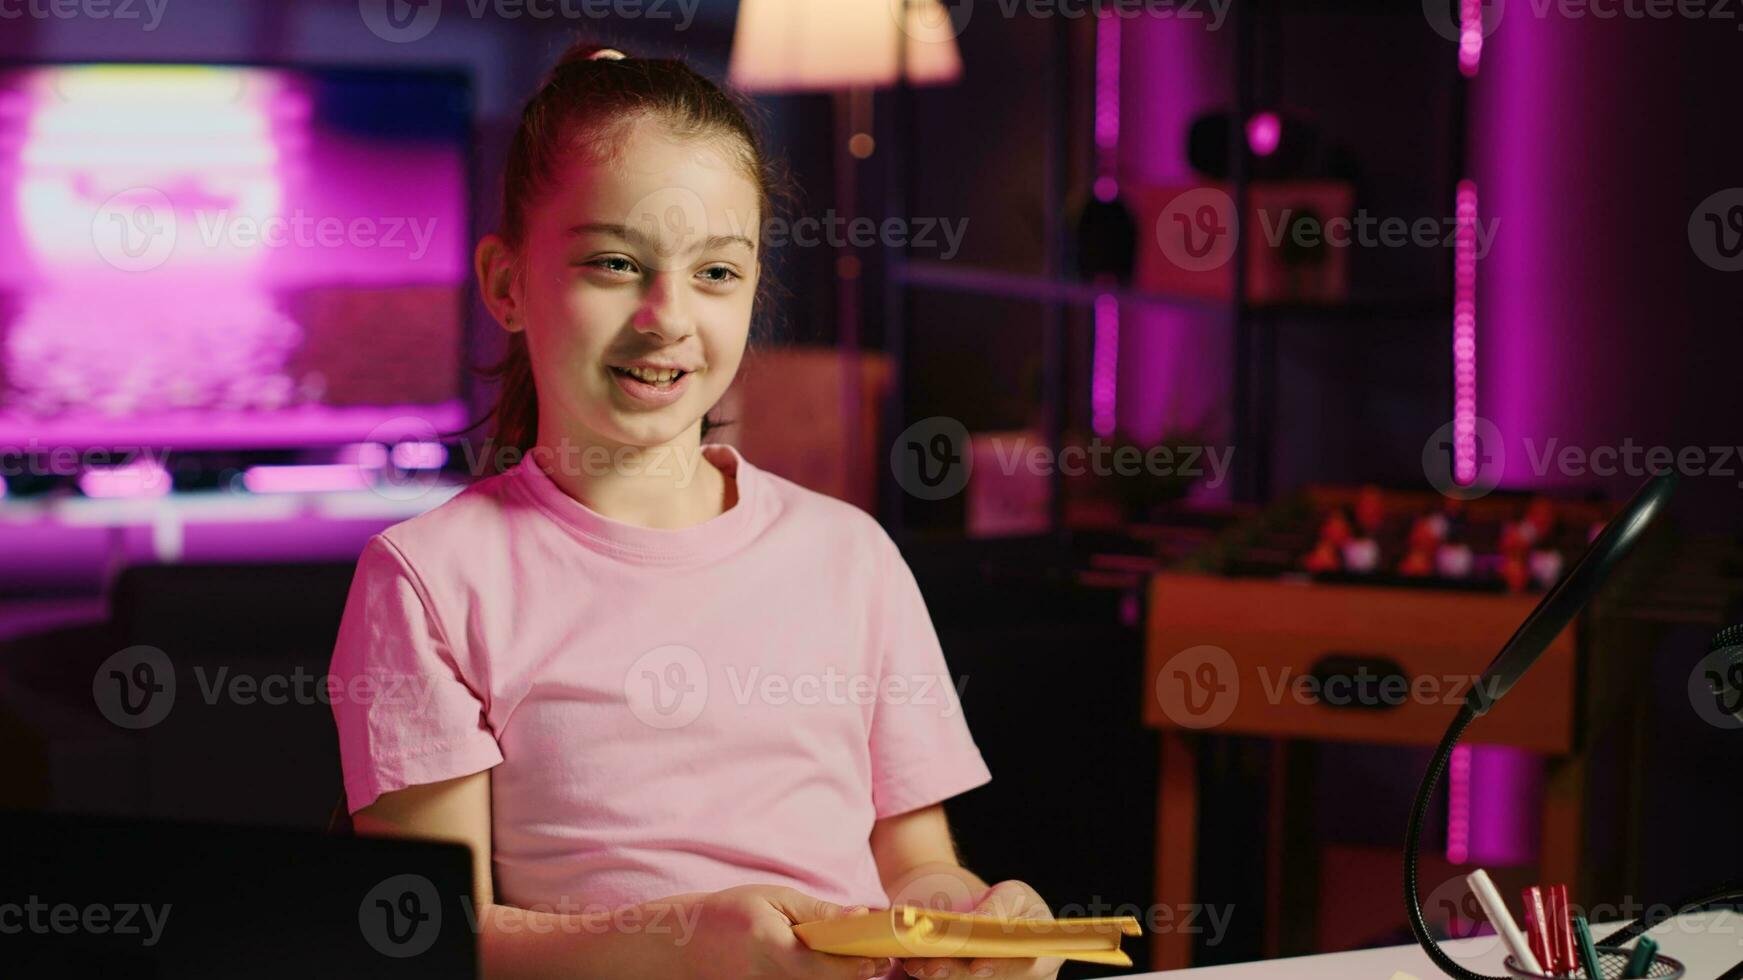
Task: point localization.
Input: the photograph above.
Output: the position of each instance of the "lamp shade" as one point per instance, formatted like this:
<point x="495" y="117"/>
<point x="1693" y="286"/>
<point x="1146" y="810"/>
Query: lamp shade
<point x="809" y="45"/>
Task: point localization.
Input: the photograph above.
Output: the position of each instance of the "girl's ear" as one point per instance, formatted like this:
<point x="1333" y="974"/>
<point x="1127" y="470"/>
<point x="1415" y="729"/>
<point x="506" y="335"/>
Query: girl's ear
<point x="497" y="268"/>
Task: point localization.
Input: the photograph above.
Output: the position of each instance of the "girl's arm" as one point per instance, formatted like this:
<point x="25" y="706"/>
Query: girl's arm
<point x="518" y="943"/>
<point x="917" y="860"/>
<point x="744" y="933"/>
<point x="918" y="865"/>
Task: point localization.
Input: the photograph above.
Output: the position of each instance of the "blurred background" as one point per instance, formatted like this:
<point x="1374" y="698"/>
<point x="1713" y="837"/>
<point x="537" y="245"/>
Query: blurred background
<point x="1288" y="344"/>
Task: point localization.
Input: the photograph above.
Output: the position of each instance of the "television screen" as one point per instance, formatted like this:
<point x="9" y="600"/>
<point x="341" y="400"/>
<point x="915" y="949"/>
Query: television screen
<point x="207" y="256"/>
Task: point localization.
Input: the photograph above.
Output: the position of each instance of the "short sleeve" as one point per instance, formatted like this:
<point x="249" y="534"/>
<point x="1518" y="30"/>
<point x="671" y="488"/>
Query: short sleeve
<point x="921" y="749"/>
<point x="406" y="713"/>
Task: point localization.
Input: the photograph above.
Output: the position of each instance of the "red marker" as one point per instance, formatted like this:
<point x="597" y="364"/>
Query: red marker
<point x="1537" y="927"/>
<point x="1567" y="956"/>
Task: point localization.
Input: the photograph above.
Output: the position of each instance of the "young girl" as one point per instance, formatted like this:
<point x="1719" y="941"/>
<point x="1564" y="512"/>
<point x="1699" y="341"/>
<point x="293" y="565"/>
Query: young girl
<point x="674" y="704"/>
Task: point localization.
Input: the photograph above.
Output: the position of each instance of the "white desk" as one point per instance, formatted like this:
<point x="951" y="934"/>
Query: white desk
<point x="1707" y="944"/>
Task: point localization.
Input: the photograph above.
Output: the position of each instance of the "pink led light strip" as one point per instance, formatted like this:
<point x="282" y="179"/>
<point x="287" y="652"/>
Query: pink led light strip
<point x="1458" y="803"/>
<point x="1104" y="362"/>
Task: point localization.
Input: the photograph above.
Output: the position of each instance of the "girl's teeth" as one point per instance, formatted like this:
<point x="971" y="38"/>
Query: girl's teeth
<point x="653" y="377"/>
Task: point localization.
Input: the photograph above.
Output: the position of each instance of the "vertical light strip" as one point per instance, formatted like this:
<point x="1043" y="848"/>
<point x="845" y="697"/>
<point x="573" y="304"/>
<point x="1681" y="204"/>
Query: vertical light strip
<point x="1105" y="359"/>
<point x="1458" y="806"/>
<point x="1465" y="335"/>
<point x="1107" y="103"/>
<point x="1458" y="796"/>
<point x="1470" y="36"/>
<point x="1107" y="348"/>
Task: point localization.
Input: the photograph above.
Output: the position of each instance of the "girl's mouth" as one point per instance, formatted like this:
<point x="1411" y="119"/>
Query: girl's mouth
<point x="650" y="386"/>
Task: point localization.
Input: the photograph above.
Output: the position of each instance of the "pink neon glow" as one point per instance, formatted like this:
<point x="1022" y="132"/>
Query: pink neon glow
<point x="138" y="479"/>
<point x="1458" y="805"/>
<point x="1107" y="82"/>
<point x="370" y="455"/>
<point x="1470" y="36"/>
<point x="1465" y="335"/>
<point x="1264" y="132"/>
<point x="305" y="479"/>
<point x="1105" y="358"/>
<point x="420" y="455"/>
<point x="197" y="262"/>
<point x="1105" y="365"/>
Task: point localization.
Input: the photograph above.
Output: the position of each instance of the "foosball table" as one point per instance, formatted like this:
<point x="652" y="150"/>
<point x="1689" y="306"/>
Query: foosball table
<point x="1357" y="614"/>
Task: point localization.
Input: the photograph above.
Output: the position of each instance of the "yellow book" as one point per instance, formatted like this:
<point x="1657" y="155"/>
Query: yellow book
<point x="909" y="932"/>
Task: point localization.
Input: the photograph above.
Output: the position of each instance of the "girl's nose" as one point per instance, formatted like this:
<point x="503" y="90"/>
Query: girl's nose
<point x="664" y="311"/>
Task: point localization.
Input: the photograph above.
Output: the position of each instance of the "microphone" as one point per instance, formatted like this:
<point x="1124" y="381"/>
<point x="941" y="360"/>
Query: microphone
<point x="1716" y="687"/>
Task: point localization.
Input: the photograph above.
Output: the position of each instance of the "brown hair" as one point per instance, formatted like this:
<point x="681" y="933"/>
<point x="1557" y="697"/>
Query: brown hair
<point x="584" y="105"/>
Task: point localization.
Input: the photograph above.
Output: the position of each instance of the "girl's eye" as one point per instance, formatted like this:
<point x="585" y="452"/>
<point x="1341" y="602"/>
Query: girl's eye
<point x="613" y="263"/>
<point x="719" y="275"/>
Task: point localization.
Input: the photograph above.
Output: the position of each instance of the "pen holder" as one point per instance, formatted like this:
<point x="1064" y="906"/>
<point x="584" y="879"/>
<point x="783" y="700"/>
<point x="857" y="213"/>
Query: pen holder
<point x="1612" y="960"/>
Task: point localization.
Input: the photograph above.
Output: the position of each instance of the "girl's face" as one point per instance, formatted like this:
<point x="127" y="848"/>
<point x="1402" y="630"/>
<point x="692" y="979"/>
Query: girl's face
<point x="635" y="288"/>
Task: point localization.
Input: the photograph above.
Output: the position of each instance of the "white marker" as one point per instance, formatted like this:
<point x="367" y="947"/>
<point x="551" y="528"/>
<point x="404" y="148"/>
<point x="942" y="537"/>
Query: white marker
<point x="1502" y="920"/>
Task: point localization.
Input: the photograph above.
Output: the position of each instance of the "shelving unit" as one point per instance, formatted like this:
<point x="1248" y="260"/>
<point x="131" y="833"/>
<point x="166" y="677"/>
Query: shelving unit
<point x="1253" y="327"/>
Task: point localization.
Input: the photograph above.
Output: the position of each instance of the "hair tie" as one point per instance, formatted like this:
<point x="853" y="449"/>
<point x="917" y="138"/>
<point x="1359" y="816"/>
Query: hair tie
<point x="609" y="54"/>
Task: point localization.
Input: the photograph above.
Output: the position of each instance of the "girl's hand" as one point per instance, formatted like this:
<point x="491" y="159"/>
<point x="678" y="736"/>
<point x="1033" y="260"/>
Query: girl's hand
<point x="1007" y="900"/>
<point x="746" y="933"/>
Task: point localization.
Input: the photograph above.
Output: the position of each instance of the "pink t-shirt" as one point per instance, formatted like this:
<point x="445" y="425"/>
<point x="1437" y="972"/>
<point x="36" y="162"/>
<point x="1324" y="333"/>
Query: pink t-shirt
<point x="664" y="711"/>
